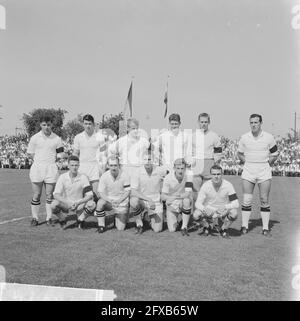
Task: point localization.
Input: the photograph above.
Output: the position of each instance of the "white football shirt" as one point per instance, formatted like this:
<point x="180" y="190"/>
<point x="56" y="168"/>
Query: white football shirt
<point x="87" y="146"/>
<point x="209" y="196"/>
<point x="257" y="149"/>
<point x="44" y="147"/>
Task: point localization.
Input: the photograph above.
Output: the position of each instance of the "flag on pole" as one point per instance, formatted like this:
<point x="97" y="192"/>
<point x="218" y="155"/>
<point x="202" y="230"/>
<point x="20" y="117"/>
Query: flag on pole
<point x="129" y="100"/>
<point x="166" y="101"/>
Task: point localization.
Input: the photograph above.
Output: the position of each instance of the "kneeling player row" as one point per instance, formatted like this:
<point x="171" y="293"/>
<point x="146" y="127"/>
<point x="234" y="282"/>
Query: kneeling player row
<point x="144" y="192"/>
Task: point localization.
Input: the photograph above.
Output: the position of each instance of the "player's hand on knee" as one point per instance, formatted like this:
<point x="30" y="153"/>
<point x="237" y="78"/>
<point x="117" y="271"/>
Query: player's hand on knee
<point x="115" y="204"/>
<point x="221" y="211"/>
<point x="74" y="206"/>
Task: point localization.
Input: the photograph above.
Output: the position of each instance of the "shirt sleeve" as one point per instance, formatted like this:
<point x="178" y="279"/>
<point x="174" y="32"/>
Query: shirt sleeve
<point x="189" y="181"/>
<point x="241" y="147"/>
<point x="113" y="148"/>
<point x="166" y="186"/>
<point x="101" y="185"/>
<point x="217" y="145"/>
<point x="126" y="183"/>
<point x="59" y="187"/>
<point x="31" y="146"/>
<point x="76" y="143"/>
<point x="232" y="197"/>
<point x="273" y="147"/>
<point x="200" y="199"/>
<point x="59" y="146"/>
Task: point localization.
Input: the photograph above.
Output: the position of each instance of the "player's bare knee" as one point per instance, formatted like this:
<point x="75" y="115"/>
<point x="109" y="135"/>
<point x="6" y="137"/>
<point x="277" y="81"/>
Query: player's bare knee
<point x="36" y="197"/>
<point x="186" y="206"/>
<point x="100" y="205"/>
<point x="197" y="214"/>
<point x="54" y="204"/>
<point x="49" y="195"/>
<point x="120" y="226"/>
<point x="157" y="228"/>
<point x="264" y="202"/>
<point x="233" y="214"/>
<point x="90" y="205"/>
<point x="247" y="199"/>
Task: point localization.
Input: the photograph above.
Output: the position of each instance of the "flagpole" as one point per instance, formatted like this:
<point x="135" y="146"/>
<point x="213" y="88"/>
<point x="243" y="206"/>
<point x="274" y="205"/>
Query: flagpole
<point x="132" y="77"/>
<point x="126" y="100"/>
<point x="166" y="100"/>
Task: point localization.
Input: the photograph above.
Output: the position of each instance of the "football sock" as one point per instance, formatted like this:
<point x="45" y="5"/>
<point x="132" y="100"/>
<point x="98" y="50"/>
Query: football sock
<point x="185" y="220"/>
<point x="48" y="210"/>
<point x="265" y="215"/>
<point x="246" y="212"/>
<point x="35" y="207"/>
<point x="100" y="218"/>
<point x="138" y="220"/>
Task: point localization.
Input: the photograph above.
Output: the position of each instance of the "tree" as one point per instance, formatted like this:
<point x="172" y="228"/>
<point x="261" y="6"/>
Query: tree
<point x="72" y="128"/>
<point x="112" y="122"/>
<point x="31" y="121"/>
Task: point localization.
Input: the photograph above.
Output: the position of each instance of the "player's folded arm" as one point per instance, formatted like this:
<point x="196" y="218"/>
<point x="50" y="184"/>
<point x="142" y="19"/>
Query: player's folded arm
<point x="234" y="202"/>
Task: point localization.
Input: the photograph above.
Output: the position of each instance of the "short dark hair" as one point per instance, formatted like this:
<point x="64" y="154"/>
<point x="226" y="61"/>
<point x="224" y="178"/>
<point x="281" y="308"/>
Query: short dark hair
<point x="113" y="158"/>
<point x="256" y="115"/>
<point x="73" y="158"/>
<point x="88" y="117"/>
<point x="204" y="115"/>
<point x="46" y="118"/>
<point x="180" y="161"/>
<point x="217" y="167"/>
<point x="174" y="117"/>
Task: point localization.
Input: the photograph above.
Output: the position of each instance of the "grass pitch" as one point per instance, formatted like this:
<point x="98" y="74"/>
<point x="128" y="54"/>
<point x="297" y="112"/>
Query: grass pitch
<point x="164" y="266"/>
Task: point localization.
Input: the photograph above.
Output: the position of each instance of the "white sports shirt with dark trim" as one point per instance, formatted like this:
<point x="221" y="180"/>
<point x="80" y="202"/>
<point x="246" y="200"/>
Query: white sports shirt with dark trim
<point x="257" y="149"/>
<point x="45" y="147"/>
<point x="209" y="196"/>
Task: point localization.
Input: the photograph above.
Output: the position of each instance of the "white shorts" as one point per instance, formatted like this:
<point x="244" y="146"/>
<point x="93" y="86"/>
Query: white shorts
<point x="257" y="172"/>
<point x="121" y="209"/>
<point x="158" y="207"/>
<point x="176" y="206"/>
<point x="47" y="173"/>
<point x="91" y="170"/>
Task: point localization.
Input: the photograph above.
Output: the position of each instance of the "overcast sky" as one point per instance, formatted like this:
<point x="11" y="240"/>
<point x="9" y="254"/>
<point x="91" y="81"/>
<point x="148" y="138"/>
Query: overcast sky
<point x="228" y="58"/>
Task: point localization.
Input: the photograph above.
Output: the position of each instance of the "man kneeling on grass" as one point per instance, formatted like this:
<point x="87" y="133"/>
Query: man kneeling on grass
<point x="114" y="191"/>
<point x="217" y="202"/>
<point x="73" y="192"/>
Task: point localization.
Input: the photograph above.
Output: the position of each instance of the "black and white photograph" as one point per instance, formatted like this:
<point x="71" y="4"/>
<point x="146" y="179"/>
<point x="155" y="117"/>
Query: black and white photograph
<point x="150" y="151"/>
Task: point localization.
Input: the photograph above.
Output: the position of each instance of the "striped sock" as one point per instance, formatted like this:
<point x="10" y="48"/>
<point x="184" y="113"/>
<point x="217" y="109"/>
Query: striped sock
<point x="185" y="213"/>
<point x="100" y="218"/>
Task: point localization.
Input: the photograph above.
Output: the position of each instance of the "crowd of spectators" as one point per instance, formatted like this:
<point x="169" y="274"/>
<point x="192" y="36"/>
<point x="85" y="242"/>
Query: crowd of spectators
<point x="13" y="152"/>
<point x="13" y="155"/>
